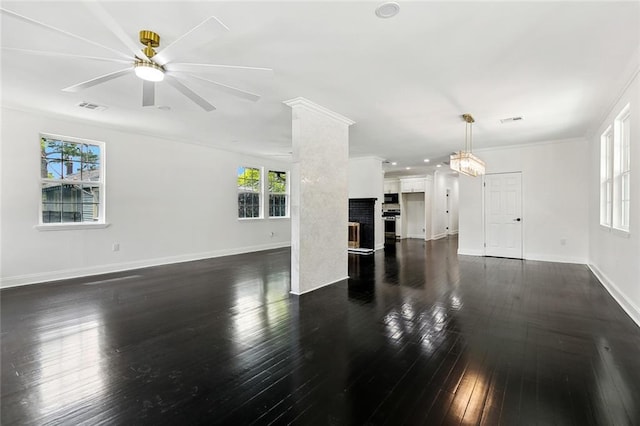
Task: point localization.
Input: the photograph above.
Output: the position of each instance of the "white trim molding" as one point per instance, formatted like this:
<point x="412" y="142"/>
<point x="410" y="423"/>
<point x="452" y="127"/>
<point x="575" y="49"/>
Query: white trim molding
<point x="464" y="252"/>
<point x="318" y="287"/>
<point x="312" y="106"/>
<point x="625" y="303"/>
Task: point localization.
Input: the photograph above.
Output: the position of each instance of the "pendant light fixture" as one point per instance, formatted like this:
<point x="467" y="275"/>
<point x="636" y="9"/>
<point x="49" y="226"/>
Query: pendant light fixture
<point x="464" y="161"/>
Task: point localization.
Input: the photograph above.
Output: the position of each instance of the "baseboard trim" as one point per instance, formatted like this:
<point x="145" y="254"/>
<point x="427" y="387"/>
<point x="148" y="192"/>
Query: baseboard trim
<point x="557" y="259"/>
<point x="537" y="258"/>
<point x="380" y="247"/>
<point x="627" y="305"/>
<point x="467" y="252"/>
<point x="416" y="236"/>
<point x="318" y="287"/>
<point x="438" y="236"/>
<point x="65" y="274"/>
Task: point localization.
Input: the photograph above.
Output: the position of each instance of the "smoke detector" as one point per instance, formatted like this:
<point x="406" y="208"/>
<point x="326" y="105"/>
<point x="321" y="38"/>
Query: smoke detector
<point x="388" y="10"/>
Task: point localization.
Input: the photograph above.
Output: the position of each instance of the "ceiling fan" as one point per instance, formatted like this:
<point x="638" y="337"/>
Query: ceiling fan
<point x="145" y="62"/>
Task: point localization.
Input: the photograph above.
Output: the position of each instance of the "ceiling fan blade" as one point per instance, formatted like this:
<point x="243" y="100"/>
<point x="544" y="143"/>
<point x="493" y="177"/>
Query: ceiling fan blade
<point x="194" y="38"/>
<point x="229" y="89"/>
<point x="97" y="80"/>
<point x="190" y="67"/>
<point x="189" y="93"/>
<point x="148" y="93"/>
<point x="64" y="55"/>
<point x="113" y="25"/>
<point x="58" y="30"/>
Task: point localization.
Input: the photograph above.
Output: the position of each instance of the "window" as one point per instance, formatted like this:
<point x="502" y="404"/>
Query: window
<point x="606" y="177"/>
<point x="278" y="194"/>
<point x="71" y="180"/>
<point x="249" y="190"/>
<point x="615" y="172"/>
<point x="622" y="170"/>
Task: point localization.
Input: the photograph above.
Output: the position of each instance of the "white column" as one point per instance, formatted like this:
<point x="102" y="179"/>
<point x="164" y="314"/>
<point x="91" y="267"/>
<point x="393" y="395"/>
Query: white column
<point x="319" y="196"/>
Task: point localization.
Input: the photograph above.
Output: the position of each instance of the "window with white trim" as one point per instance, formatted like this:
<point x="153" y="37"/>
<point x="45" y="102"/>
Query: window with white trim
<point x="278" y="194"/>
<point x="249" y="192"/>
<point x="606" y="176"/>
<point x="71" y="180"/>
<point x="622" y="170"/>
<point x="615" y="172"/>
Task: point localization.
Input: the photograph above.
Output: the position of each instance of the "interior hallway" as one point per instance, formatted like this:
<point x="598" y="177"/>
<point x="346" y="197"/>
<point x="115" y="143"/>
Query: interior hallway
<point x="418" y="335"/>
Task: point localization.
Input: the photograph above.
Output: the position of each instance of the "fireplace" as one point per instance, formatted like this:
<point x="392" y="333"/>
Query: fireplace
<point x="362" y="213"/>
<point x="354" y="235"/>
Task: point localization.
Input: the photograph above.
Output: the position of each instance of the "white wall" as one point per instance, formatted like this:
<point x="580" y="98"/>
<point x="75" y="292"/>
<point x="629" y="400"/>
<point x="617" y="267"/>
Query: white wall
<point x="443" y="180"/>
<point x="428" y="207"/>
<point x="366" y="180"/>
<point x="555" y="194"/>
<point x="615" y="257"/>
<point x="166" y="201"/>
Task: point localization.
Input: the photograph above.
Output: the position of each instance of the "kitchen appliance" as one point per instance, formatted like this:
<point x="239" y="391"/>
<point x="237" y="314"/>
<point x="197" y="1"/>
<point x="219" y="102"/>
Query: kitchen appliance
<point x="391" y="198"/>
<point x="390" y="216"/>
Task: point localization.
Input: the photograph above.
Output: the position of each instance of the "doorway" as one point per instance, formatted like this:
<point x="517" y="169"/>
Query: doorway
<point x="414" y="214"/>
<point x="503" y="215"/>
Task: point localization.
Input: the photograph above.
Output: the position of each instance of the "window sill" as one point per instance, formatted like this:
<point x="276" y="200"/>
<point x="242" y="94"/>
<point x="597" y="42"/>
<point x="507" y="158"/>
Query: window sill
<point x="279" y="217"/>
<point x="242" y="219"/>
<point x="71" y="226"/>
<point x="616" y="231"/>
<point x="620" y="232"/>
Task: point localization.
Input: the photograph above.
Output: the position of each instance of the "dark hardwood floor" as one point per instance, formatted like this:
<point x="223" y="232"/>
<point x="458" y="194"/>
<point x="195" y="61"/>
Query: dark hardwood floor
<point x="418" y="335"/>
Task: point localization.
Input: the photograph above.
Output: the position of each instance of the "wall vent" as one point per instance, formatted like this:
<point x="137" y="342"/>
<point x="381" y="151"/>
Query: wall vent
<point x="510" y="119"/>
<point x="93" y="107"/>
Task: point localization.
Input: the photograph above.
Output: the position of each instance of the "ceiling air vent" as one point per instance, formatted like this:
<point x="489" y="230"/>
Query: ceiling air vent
<point x="510" y="119"/>
<point x="93" y="107"/>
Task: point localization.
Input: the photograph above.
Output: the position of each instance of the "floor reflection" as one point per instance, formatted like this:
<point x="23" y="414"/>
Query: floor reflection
<point x="70" y="366"/>
<point x="261" y="312"/>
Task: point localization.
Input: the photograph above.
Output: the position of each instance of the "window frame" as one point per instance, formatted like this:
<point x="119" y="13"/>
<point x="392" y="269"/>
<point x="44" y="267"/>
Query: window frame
<point x="260" y="192"/>
<point x="100" y="183"/>
<point x="622" y="170"/>
<point x="286" y="194"/>
<point x="606" y="177"/>
<point x="615" y="173"/>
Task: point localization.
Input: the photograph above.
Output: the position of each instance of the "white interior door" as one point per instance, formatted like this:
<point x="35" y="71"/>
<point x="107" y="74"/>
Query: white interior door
<point x="503" y="215"/>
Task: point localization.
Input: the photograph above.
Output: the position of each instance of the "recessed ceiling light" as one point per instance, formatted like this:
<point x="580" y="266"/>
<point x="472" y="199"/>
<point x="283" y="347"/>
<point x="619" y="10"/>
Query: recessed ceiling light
<point x="426" y="160"/>
<point x="388" y="10"/>
<point x="439" y="165"/>
<point x="394" y="164"/>
<point x="408" y="168"/>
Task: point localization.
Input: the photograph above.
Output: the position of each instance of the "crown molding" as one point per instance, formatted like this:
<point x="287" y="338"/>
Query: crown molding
<point x="301" y="102"/>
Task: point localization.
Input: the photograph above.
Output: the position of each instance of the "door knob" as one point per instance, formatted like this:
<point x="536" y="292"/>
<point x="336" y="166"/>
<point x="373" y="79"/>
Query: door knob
<point x="517" y="220"/>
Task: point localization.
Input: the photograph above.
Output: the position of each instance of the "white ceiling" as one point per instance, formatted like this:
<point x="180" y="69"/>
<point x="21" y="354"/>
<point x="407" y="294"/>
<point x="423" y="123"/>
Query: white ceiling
<point x="405" y="81"/>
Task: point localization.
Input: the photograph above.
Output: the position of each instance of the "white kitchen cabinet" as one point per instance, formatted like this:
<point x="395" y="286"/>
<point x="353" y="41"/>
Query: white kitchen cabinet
<point x="391" y="186"/>
<point x="412" y="185"/>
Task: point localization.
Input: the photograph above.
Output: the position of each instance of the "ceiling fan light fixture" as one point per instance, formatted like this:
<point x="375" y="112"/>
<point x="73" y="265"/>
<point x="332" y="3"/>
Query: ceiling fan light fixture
<point x="149" y="71"/>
